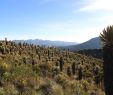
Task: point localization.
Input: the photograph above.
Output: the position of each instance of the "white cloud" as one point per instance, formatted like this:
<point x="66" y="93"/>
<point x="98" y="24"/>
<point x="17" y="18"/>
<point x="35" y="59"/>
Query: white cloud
<point x="98" y="5"/>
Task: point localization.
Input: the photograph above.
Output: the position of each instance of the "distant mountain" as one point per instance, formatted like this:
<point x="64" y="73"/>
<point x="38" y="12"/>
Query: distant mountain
<point x="46" y="42"/>
<point x="93" y="43"/>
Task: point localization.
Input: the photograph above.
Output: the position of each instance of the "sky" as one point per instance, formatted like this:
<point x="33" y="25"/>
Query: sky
<point x="62" y="20"/>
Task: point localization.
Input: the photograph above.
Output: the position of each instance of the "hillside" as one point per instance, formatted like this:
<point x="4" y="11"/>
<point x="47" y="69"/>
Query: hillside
<point x="27" y="69"/>
<point x="46" y="42"/>
<point x="96" y="53"/>
<point x="93" y="43"/>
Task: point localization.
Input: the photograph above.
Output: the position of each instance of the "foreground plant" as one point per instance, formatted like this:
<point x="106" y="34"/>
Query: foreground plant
<point x="107" y="38"/>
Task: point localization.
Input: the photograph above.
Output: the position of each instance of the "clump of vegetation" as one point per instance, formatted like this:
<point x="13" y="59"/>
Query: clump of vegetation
<point x="27" y="69"/>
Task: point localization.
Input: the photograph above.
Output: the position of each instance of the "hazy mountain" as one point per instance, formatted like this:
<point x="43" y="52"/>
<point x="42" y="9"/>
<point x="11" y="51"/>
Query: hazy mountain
<point x="93" y="43"/>
<point x="46" y="42"/>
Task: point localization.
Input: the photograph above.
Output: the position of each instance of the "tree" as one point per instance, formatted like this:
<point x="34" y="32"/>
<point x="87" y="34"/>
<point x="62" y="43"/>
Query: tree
<point x="107" y="38"/>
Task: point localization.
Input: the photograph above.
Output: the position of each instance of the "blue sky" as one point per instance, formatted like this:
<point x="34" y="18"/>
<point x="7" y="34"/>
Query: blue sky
<point x="65" y="20"/>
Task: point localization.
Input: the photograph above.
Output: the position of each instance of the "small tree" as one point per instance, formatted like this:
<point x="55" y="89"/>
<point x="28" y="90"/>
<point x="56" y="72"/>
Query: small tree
<point x="61" y="61"/>
<point x="73" y="68"/>
<point x="80" y="73"/>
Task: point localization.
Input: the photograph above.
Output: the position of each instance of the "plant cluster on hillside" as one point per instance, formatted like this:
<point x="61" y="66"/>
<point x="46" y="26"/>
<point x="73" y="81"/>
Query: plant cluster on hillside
<point x="27" y="69"/>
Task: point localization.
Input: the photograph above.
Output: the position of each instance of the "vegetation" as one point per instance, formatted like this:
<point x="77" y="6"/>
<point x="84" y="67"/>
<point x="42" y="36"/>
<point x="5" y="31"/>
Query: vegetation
<point x="96" y="53"/>
<point x="107" y="39"/>
<point x="27" y="69"/>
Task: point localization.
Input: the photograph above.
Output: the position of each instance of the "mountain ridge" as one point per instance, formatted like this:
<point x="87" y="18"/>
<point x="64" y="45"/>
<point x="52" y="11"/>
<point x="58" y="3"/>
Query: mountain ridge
<point x="93" y="43"/>
<point x="46" y="42"/>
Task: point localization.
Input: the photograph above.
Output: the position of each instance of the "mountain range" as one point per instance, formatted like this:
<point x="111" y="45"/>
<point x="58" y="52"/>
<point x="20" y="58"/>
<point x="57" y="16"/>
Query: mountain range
<point x="46" y="42"/>
<point x="93" y="43"/>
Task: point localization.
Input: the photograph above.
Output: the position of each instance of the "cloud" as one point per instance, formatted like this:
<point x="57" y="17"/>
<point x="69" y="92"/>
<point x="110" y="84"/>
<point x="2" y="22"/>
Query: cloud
<point x="98" y="5"/>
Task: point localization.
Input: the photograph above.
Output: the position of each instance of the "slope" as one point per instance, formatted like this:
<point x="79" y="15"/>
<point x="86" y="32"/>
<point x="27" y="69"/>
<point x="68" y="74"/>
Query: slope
<point x="93" y="43"/>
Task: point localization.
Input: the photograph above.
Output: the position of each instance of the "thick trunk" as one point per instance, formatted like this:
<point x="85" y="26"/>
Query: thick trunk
<point x="108" y="70"/>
